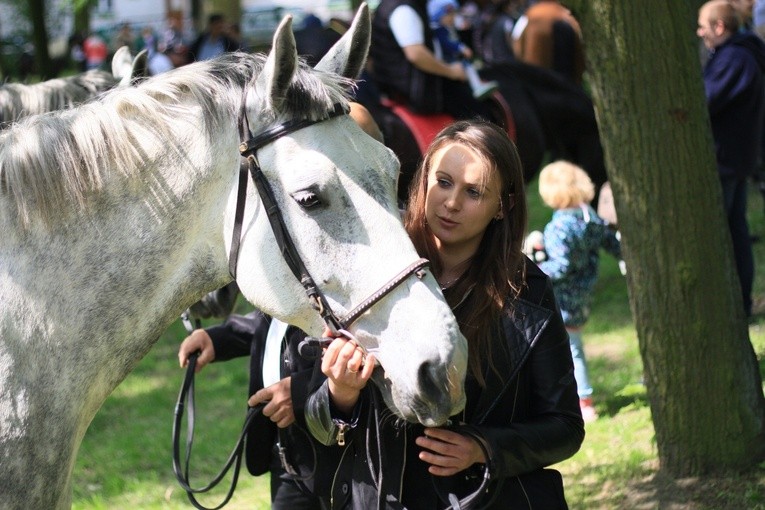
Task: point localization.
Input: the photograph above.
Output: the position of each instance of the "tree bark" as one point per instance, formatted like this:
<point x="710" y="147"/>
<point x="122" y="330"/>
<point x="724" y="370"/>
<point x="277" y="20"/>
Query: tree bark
<point x="701" y="374"/>
<point x="82" y="16"/>
<point x="37" y="13"/>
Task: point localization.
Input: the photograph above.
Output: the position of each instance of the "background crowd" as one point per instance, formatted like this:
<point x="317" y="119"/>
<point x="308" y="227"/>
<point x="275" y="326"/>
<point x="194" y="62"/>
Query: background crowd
<point x="422" y="54"/>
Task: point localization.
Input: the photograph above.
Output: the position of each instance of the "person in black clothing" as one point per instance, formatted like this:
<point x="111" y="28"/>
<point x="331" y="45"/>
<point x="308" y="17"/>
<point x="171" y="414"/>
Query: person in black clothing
<point x="405" y="67"/>
<point x="277" y="440"/>
<point x="213" y="41"/>
<point x="734" y="84"/>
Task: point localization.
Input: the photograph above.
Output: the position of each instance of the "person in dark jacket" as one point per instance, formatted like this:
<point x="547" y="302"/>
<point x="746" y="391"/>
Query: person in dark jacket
<point x="467" y="214"/>
<point x="735" y="88"/>
<point x="213" y="41"/>
<point x="279" y="377"/>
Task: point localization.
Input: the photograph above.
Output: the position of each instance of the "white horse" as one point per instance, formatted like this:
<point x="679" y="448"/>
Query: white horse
<point x="19" y="100"/>
<point x="117" y="215"/>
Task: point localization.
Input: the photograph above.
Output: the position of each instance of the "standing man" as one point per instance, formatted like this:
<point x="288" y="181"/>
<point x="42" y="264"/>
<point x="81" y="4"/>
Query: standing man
<point x="173" y="41"/>
<point x="734" y="85"/>
<point x="213" y="41"/>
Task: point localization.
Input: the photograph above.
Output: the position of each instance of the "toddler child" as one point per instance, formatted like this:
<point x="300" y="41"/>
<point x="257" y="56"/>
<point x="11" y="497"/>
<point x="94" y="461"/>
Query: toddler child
<point x="572" y="242"/>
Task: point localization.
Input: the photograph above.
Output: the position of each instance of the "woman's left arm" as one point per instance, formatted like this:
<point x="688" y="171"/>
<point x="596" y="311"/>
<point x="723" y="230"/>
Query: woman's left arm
<point x="553" y="429"/>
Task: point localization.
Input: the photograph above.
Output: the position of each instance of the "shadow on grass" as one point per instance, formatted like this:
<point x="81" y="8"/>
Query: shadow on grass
<point x="617" y="385"/>
<point x="660" y="490"/>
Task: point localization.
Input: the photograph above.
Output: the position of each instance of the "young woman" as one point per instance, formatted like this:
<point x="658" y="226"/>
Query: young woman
<point x="467" y="214"/>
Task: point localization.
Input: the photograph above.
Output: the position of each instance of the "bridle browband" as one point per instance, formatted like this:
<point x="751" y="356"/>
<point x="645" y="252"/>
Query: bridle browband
<point x="251" y="167"/>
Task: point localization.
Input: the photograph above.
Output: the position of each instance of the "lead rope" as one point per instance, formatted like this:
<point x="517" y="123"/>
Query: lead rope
<point x="235" y="458"/>
<point x="470" y="501"/>
<point x="186" y="396"/>
<point x="374" y="415"/>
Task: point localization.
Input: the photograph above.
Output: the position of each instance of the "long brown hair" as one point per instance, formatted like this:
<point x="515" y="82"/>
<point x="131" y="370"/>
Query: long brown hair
<point x="496" y="272"/>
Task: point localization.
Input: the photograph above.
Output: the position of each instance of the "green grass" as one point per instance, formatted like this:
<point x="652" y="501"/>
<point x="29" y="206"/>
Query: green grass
<point x="125" y="458"/>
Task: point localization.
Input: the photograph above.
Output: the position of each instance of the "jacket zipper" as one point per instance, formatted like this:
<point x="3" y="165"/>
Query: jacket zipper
<point x="341" y="428"/>
<point x="334" y="479"/>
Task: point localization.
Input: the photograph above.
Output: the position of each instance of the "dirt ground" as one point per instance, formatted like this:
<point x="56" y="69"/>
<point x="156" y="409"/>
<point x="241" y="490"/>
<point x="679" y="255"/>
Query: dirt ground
<point x="718" y="493"/>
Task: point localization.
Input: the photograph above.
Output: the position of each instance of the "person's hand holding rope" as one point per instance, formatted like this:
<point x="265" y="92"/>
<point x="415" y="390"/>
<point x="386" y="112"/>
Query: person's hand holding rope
<point x="197" y="341"/>
<point x="278" y="399"/>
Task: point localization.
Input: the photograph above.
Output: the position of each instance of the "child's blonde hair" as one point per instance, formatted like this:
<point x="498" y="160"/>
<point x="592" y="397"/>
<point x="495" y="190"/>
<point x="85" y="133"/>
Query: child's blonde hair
<point x="563" y="185"/>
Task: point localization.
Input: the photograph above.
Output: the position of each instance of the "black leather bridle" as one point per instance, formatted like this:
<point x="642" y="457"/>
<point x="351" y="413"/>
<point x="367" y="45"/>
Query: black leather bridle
<point x="250" y="168"/>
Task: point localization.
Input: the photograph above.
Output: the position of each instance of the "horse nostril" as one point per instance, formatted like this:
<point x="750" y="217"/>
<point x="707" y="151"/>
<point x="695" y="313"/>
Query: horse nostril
<point x="428" y="379"/>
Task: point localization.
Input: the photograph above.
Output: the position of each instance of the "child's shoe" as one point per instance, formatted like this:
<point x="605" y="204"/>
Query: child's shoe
<point x="588" y="410"/>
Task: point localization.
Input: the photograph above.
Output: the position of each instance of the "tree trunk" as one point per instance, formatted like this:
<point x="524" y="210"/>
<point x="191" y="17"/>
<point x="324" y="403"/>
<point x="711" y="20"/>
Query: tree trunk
<point x="40" y="38"/>
<point x="82" y="17"/>
<point x="701" y="374"/>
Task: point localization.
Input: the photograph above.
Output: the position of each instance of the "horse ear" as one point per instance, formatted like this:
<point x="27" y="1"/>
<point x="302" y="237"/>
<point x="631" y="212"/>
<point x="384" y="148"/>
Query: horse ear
<point x="139" y="69"/>
<point x="348" y="55"/>
<point x="280" y="65"/>
<point x="127" y="69"/>
<point x="122" y="63"/>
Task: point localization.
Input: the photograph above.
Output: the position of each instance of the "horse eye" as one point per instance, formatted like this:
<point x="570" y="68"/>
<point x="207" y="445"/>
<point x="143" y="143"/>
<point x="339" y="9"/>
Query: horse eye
<point x="306" y="199"/>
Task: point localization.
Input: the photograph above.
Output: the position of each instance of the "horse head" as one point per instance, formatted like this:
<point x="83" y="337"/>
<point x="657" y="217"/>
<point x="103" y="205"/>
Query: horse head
<point x="335" y="187"/>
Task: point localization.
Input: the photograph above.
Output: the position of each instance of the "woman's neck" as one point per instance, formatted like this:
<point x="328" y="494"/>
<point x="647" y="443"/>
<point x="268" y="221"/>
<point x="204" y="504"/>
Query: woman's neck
<point x="454" y="262"/>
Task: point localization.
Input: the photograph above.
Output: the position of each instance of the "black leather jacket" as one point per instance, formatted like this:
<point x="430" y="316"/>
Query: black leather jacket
<point x="311" y="462"/>
<point x="527" y="415"/>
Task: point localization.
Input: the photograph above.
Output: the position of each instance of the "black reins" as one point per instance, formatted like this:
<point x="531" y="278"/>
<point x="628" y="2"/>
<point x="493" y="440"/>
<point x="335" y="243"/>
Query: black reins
<point x="250" y="167"/>
<point x="185" y="396"/>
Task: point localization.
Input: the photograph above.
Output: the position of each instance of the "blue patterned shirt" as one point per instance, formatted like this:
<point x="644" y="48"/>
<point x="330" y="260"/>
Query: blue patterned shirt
<point x="573" y="239"/>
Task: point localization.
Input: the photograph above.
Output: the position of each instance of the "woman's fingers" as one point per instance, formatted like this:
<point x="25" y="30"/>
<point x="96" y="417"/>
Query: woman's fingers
<point x="356" y="360"/>
<point x="448" y="452"/>
<point x="341" y="357"/>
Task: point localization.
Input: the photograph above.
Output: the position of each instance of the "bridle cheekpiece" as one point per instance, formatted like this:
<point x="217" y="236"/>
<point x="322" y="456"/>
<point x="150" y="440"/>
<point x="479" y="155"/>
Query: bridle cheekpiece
<point x="251" y="167"/>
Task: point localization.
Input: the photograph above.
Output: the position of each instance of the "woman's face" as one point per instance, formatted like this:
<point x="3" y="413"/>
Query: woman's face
<point x="462" y="198"/>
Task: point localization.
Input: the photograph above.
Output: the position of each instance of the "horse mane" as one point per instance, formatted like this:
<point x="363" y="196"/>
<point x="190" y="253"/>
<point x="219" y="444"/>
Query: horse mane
<point x="52" y="162"/>
<point x="18" y="100"/>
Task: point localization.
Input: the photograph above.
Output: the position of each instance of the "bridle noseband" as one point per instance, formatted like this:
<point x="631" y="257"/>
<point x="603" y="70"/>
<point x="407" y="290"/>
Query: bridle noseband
<point x="250" y="166"/>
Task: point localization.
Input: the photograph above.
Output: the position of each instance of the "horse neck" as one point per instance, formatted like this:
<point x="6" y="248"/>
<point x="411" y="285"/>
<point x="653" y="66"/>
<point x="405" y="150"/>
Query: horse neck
<point x="20" y="100"/>
<point x="85" y="298"/>
<point x="121" y="272"/>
